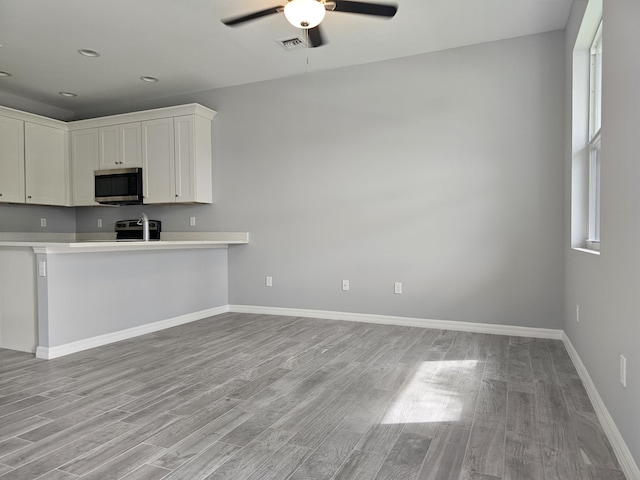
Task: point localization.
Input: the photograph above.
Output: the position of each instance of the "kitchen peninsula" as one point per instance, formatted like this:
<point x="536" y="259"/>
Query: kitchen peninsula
<point x="65" y="296"/>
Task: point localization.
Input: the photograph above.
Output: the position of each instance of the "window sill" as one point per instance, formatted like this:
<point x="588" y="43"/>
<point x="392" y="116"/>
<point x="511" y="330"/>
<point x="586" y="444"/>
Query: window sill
<point x="586" y="250"/>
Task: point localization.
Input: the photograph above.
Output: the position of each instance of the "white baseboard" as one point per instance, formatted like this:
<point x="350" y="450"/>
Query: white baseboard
<point x="404" y="321"/>
<point x="49" y="353"/>
<point x="627" y="463"/>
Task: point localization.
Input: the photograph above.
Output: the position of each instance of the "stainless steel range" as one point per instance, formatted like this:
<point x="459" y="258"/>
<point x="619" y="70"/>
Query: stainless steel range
<point x="133" y="230"/>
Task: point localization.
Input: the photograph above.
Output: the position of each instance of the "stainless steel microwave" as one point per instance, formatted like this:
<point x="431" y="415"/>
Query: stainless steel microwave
<point x="122" y="186"/>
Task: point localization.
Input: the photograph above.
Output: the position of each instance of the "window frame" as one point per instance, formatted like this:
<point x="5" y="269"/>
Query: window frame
<point x="593" y="241"/>
<point x="595" y="128"/>
<point x="595" y="85"/>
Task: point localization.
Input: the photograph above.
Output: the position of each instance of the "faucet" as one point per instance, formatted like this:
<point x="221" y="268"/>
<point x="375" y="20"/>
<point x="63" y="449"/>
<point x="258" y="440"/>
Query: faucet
<point x="144" y="221"/>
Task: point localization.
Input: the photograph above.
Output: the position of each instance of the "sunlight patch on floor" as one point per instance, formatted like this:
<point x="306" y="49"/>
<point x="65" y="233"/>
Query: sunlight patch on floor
<point x="423" y="398"/>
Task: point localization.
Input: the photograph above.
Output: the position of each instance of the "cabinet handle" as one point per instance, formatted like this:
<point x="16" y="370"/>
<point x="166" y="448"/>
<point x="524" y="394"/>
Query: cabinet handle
<point x="0" y="194"/>
<point x="28" y="196"/>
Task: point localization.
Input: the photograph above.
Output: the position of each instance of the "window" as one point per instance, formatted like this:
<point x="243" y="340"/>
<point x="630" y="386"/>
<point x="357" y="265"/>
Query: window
<point x="586" y="121"/>
<point x="595" y="123"/>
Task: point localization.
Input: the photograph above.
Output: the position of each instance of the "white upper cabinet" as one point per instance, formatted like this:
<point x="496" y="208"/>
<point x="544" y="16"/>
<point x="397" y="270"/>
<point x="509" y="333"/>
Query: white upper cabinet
<point x="158" y="161"/>
<point x="120" y="146"/>
<point x="176" y="155"/>
<point x="193" y="159"/>
<point x="84" y="162"/>
<point x="46" y="161"/>
<point x="34" y="159"/>
<point x="11" y="160"/>
<point x="49" y="162"/>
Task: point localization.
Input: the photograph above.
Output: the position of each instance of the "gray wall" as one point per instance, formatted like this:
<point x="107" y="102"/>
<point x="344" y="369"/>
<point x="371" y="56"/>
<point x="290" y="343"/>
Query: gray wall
<point x="443" y="171"/>
<point x="175" y="218"/>
<point x="606" y="286"/>
<point x="26" y="218"/>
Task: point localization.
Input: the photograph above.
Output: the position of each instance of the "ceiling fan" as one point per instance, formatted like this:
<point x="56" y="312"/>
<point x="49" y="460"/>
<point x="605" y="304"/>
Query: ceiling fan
<point x="307" y="14"/>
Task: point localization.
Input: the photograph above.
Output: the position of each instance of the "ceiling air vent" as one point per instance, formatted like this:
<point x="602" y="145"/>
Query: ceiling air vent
<point x="292" y="43"/>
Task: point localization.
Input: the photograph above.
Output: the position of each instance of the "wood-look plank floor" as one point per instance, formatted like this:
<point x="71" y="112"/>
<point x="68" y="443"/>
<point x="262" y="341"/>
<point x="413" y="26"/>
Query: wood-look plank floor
<point x="262" y="397"/>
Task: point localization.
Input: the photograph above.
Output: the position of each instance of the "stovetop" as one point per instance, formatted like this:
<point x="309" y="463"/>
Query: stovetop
<point x="130" y="230"/>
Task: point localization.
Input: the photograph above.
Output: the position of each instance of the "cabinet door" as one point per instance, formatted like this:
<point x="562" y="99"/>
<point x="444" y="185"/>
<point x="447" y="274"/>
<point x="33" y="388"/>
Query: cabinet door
<point x="120" y="146"/>
<point x="193" y="159"/>
<point x="185" y="159"/>
<point x="11" y="160"/>
<point x="84" y="161"/>
<point x="158" y="161"/>
<point x="46" y="165"/>
<point x="130" y="150"/>
<point x="109" y="147"/>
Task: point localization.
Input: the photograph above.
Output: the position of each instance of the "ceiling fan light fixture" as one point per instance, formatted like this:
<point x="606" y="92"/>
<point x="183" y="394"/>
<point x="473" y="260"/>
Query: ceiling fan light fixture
<point x="304" y="13"/>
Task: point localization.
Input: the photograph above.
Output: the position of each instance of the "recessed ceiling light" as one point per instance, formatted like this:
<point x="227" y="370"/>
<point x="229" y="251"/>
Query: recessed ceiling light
<point x="88" y="53"/>
<point x="4" y="74"/>
<point x="67" y="94"/>
<point x="149" y="79"/>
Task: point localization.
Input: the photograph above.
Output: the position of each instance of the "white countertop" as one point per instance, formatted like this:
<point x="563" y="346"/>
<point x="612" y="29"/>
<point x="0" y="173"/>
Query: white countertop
<point x="87" y="245"/>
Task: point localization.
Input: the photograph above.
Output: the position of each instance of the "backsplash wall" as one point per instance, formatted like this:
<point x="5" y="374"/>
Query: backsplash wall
<point x="175" y="218"/>
<point x="26" y="218"/>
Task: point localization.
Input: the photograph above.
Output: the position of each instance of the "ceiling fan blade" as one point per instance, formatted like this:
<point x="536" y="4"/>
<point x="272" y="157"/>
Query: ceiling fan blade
<point x="252" y="16"/>
<point x="315" y="37"/>
<point x="365" y="8"/>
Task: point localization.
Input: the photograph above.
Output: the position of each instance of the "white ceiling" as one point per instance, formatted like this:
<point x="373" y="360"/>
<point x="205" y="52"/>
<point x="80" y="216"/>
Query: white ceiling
<point x="184" y="44"/>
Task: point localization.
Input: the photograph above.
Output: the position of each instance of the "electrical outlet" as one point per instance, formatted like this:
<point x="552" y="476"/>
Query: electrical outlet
<point x="43" y="222"/>
<point x="578" y="313"/>
<point x="345" y="285"/>
<point x="268" y="281"/>
<point x="623" y="371"/>
<point x="397" y="288"/>
<point x="42" y="269"/>
<point x="99" y="223"/>
<point x="192" y="221"/>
